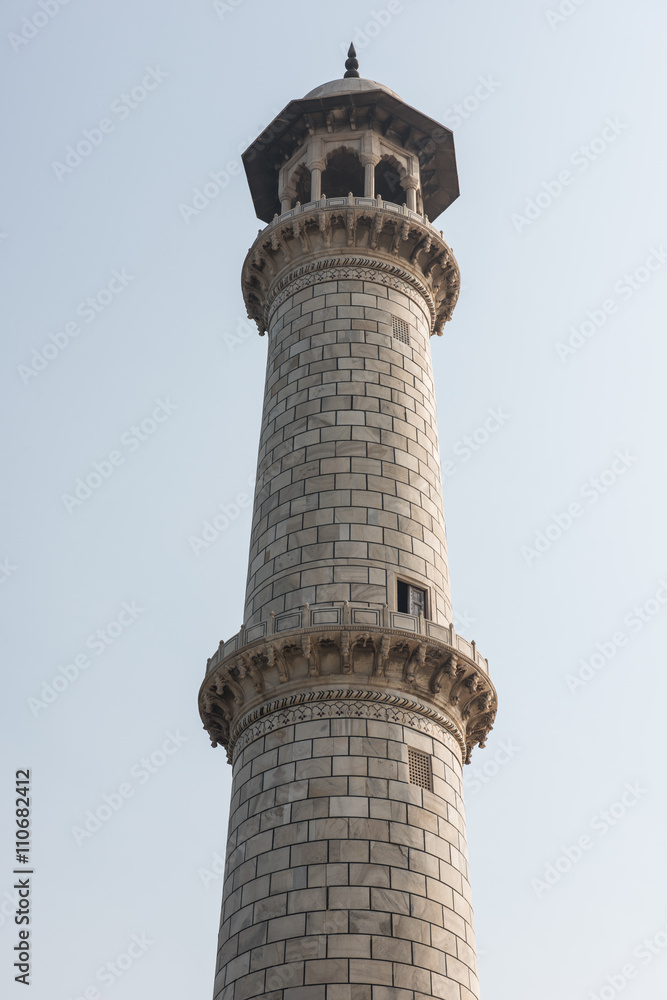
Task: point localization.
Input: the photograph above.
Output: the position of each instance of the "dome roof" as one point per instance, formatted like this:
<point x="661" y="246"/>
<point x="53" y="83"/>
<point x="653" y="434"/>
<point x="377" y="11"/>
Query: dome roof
<point x="364" y="105"/>
<point x="353" y="85"/>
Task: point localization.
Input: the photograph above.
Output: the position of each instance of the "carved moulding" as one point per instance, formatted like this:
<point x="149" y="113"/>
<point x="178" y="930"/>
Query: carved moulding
<point x="344" y="703"/>
<point x="403" y="251"/>
<point x="359" y="268"/>
<point x="345" y="664"/>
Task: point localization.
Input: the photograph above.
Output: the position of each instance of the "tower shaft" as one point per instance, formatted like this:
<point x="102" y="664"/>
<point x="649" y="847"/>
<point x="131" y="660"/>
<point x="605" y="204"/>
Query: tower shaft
<point x="347" y="703"/>
<point x="349" y="487"/>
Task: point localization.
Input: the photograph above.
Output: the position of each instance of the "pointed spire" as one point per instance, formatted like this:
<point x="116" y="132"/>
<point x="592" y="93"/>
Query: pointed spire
<point x="351" y="63"/>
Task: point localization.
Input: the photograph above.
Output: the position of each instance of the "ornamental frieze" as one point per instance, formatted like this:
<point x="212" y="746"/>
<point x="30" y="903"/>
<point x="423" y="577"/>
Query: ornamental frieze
<point x="347" y="703"/>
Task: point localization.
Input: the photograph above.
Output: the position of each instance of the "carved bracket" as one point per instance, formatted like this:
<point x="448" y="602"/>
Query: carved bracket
<point x="407" y="248"/>
<point x="383" y="661"/>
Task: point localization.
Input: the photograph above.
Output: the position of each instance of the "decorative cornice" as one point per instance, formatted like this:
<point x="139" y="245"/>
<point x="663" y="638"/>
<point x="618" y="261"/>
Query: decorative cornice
<point x="397" y="244"/>
<point x="344" y="266"/>
<point x="343" y="703"/>
<point x="347" y="663"/>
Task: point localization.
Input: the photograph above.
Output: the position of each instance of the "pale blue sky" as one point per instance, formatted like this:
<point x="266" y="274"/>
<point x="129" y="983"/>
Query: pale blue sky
<point x="219" y="77"/>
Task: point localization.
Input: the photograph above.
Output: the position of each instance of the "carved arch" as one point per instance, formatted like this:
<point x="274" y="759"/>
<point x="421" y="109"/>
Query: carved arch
<point x="343" y="172"/>
<point x="389" y="179"/>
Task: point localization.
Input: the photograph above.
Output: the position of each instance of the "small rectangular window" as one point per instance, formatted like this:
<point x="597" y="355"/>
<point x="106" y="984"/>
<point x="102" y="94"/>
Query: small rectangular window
<point x="401" y="330"/>
<point x="419" y="767"/>
<point x="410" y="600"/>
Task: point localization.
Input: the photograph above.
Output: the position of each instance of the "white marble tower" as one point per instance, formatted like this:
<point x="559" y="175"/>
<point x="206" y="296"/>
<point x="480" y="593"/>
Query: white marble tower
<point x="347" y="703"/>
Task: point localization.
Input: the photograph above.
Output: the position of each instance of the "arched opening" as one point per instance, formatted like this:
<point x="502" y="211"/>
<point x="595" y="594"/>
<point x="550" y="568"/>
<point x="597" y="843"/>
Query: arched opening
<point x="343" y="173"/>
<point x="301" y="182"/>
<point x="388" y="183"/>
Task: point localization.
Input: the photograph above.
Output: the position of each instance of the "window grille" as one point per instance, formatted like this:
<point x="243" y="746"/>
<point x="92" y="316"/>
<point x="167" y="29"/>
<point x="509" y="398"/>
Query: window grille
<point x="401" y="330"/>
<point x="410" y="600"/>
<point x="419" y="766"/>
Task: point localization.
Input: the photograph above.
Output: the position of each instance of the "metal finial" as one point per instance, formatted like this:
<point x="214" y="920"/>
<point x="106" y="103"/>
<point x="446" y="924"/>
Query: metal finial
<point x="351" y="63"/>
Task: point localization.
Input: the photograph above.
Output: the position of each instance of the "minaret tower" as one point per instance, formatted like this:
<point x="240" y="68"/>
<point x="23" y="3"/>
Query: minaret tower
<point x="347" y="703"/>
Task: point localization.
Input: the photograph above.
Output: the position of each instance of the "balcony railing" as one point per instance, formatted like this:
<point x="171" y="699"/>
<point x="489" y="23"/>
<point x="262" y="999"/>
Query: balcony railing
<point x="329" y="617"/>
<point x="352" y="201"/>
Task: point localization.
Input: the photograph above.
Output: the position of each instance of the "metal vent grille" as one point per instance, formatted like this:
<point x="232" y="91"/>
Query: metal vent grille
<point x="419" y="765"/>
<point x="401" y="330"/>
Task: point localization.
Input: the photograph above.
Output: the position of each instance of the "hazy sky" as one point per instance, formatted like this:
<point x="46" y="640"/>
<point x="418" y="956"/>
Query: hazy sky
<point x="555" y="518"/>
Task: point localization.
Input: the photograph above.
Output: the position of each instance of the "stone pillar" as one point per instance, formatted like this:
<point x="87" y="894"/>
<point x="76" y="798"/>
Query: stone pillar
<point x="369" y="161"/>
<point x="346" y="718"/>
<point x="316" y="182"/>
<point x="411" y="184"/>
